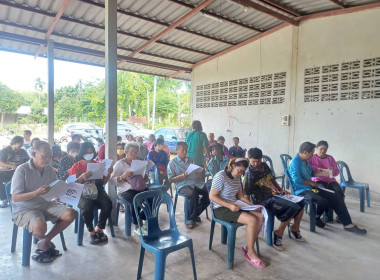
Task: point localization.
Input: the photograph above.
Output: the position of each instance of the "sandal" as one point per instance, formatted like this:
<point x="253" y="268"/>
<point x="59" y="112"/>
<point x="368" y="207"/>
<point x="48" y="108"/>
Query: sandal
<point x="102" y="236"/>
<point x="94" y="239"/>
<point x="53" y="252"/>
<point x="255" y="262"/>
<point x="43" y="257"/>
<point x="297" y="236"/>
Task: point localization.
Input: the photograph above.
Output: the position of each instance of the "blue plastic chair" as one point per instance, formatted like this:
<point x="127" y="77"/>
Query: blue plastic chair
<point x="350" y="183"/>
<point x="267" y="159"/>
<point x="228" y="236"/>
<point x="27" y="236"/>
<point x="285" y="160"/>
<point x="160" y="243"/>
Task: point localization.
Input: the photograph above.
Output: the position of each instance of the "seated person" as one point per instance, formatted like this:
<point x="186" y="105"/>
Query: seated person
<point x="32" y="144"/>
<point x="10" y="157"/>
<point x="120" y="150"/>
<point x="27" y="135"/>
<point x="57" y="155"/>
<point x="189" y="187"/>
<point x="236" y="150"/>
<point x="301" y="172"/>
<point x="87" y="155"/>
<point x="161" y="160"/>
<point x="218" y="162"/>
<point x="166" y="147"/>
<point x="30" y="210"/>
<point x="102" y="149"/>
<point x="221" y="141"/>
<point x="127" y="184"/>
<point x="211" y="142"/>
<point x="260" y="182"/>
<point x="149" y="144"/>
<point x="68" y="160"/>
<point x="143" y="150"/>
<point x="225" y="191"/>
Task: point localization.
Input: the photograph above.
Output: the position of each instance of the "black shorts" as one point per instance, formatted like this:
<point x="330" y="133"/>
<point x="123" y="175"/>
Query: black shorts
<point x="282" y="208"/>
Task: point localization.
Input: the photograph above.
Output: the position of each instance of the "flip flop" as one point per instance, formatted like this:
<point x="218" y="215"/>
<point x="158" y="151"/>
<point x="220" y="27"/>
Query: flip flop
<point x="43" y="257"/>
<point x="102" y="236"/>
<point x="53" y="252"/>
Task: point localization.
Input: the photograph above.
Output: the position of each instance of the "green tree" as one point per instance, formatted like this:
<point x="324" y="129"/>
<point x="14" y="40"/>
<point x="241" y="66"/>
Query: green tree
<point x="9" y="102"/>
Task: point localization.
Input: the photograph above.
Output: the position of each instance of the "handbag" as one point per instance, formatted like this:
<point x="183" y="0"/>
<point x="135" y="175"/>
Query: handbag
<point x="90" y="190"/>
<point x="137" y="183"/>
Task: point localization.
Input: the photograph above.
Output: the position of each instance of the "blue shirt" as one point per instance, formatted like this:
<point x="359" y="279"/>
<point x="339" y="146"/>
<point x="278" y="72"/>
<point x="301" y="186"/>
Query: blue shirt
<point x="160" y="159"/>
<point x="300" y="171"/>
<point x="236" y="151"/>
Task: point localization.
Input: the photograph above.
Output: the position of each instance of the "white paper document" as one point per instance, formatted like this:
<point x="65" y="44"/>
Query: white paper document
<point x="97" y="170"/>
<point x="290" y="197"/>
<point x="193" y="171"/>
<point x="138" y="167"/>
<point x="245" y="206"/>
<point x="108" y="163"/>
<point x="72" y="194"/>
<point x="57" y="188"/>
<point x="71" y="179"/>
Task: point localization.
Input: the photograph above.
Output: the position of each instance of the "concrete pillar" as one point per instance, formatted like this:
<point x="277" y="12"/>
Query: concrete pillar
<point x="111" y="85"/>
<point x="50" y="87"/>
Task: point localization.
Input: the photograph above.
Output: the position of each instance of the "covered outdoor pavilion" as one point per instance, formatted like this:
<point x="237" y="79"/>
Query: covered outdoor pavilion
<point x="250" y="63"/>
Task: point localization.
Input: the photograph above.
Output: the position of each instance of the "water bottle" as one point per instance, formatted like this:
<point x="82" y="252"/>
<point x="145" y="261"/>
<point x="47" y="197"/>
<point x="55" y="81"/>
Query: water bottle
<point x="151" y="177"/>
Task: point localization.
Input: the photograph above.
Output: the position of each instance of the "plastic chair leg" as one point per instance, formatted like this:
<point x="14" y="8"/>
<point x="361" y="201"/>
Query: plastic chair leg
<point x="171" y="191"/>
<point x="141" y="262"/>
<point x="128" y="220"/>
<point x="76" y="223"/>
<point x="361" y="192"/>
<point x="231" y="248"/>
<point x="186" y="209"/>
<point x="193" y="260"/>
<point x="26" y="247"/>
<point x="80" y="230"/>
<point x="159" y="266"/>
<point x="211" y="234"/>
<point x="175" y="202"/>
<point x="117" y="214"/>
<point x="63" y="241"/>
<point x="223" y="235"/>
<point x="14" y="238"/>
<point x="35" y="240"/>
<point x="111" y="226"/>
<point x="207" y="214"/>
<point x="368" y="197"/>
<point x="258" y="248"/>
<point x="270" y="227"/>
<point x="96" y="216"/>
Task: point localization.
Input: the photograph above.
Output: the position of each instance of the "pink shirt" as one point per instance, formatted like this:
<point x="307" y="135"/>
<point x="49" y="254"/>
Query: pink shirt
<point x="148" y="145"/>
<point x="325" y="163"/>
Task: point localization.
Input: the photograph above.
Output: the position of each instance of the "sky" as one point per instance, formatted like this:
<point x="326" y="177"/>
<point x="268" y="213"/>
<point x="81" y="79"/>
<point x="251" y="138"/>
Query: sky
<point x="19" y="71"/>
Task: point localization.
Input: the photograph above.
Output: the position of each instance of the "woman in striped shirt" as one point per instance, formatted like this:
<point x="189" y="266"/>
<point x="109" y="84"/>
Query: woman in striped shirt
<point x="226" y="189"/>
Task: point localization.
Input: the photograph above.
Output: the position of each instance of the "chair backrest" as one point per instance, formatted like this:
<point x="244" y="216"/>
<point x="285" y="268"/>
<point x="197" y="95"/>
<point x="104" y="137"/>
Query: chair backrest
<point x="8" y="193"/>
<point x="267" y="159"/>
<point x="289" y="180"/>
<point x="155" y="170"/>
<point x="149" y="202"/>
<point x="342" y="166"/>
<point x="285" y="160"/>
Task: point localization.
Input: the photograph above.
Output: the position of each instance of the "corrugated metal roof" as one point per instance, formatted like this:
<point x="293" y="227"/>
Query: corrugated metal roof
<point x="79" y="34"/>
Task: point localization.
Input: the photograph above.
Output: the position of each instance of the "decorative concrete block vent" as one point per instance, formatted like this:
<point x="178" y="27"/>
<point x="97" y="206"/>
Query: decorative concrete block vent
<point x="266" y="89"/>
<point x="352" y="80"/>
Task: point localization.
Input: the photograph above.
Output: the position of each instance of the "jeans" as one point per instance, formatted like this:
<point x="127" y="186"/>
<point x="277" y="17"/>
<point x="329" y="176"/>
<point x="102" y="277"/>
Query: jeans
<point x="86" y="205"/>
<point x="196" y="205"/>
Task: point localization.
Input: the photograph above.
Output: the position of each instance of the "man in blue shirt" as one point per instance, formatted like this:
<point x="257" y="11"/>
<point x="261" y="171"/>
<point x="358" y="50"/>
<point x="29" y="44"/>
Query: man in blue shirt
<point x="236" y="150"/>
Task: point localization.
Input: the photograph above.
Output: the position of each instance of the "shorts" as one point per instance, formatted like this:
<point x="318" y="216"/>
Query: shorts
<point x="225" y="214"/>
<point x="50" y="211"/>
<point x="282" y="208"/>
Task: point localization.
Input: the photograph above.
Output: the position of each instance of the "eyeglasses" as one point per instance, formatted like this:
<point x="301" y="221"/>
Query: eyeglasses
<point x="133" y="153"/>
<point x="240" y="171"/>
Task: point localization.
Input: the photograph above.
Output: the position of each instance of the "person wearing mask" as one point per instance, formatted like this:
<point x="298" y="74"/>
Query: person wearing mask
<point x="166" y="147"/>
<point x="149" y="144"/>
<point x="120" y="150"/>
<point x="161" y="160"/>
<point x="221" y="141"/>
<point x="236" y="150"/>
<point x="10" y="158"/>
<point x="102" y="149"/>
<point x="86" y="155"/>
<point x="68" y="160"/>
<point x="143" y="150"/>
<point x="197" y="143"/>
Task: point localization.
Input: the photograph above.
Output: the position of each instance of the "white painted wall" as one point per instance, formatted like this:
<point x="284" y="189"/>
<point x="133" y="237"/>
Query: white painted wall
<point x="350" y="127"/>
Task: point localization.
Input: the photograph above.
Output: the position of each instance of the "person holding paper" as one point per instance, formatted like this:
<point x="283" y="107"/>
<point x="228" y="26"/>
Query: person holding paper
<point x="260" y="183"/>
<point x="226" y="190"/>
<point x="30" y="210"/>
<point x="191" y="188"/>
<point x="127" y="184"/>
<point x="87" y="155"/>
<point x="68" y="160"/>
<point x="219" y="161"/>
<point x="326" y="164"/>
<point x="301" y="172"/>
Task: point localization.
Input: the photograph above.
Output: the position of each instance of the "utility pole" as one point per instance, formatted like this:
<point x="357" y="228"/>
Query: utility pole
<point x="154" y="102"/>
<point x="179" y="107"/>
<point x="147" y="107"/>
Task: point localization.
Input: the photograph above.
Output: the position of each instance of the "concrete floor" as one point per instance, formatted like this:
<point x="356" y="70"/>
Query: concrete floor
<point x="330" y="253"/>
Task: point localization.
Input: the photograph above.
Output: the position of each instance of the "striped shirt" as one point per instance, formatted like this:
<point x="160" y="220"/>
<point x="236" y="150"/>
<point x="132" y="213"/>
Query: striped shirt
<point x="228" y="187"/>
<point x="177" y="167"/>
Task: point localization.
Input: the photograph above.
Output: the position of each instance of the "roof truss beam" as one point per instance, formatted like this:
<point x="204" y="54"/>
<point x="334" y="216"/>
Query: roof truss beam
<point x="90" y="2"/>
<point x="338" y="3"/>
<point x="281" y="7"/>
<point x="98" y="26"/>
<point x="265" y="10"/>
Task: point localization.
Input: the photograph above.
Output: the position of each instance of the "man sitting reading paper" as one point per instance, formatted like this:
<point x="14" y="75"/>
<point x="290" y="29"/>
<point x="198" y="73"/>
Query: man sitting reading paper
<point x="30" y="181"/>
<point x="191" y="185"/>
